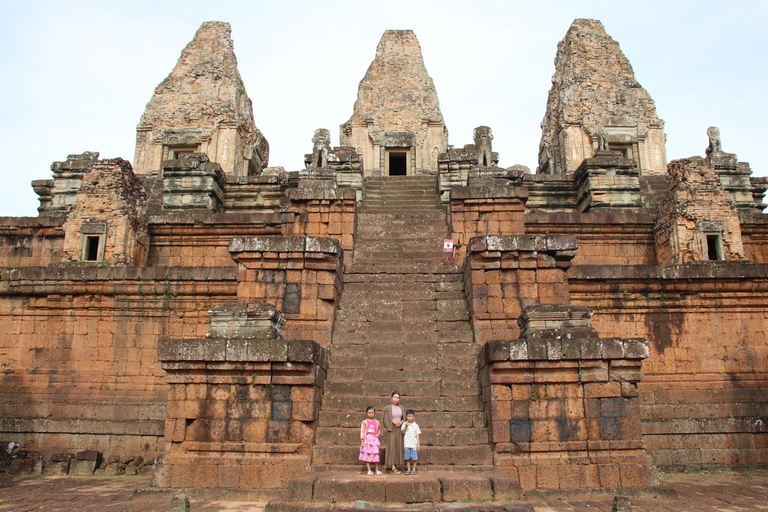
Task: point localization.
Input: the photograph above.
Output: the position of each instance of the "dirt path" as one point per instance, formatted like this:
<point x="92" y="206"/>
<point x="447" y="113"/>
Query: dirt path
<point x="721" y="491"/>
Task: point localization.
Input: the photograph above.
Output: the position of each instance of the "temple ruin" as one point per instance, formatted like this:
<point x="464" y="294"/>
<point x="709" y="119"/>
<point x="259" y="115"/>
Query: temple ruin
<point x="596" y="320"/>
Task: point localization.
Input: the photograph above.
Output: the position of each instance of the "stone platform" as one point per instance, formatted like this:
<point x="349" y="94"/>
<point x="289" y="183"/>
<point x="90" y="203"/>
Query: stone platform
<point x="340" y="488"/>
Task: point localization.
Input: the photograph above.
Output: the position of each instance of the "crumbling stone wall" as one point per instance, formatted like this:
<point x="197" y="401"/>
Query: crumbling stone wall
<point x="31" y="241"/>
<point x="481" y="211"/>
<point x="697" y="214"/>
<point x="504" y="274"/>
<point x="323" y="212"/>
<point x="563" y="403"/>
<point x="299" y="276"/>
<point x="242" y="402"/>
<point x="112" y="206"/>
<point x="703" y="398"/>
<point x="616" y="238"/>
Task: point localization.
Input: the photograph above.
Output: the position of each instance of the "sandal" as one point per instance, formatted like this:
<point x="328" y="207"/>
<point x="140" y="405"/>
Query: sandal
<point x="396" y="472"/>
<point x="379" y="473"/>
<point x="413" y="473"/>
<point x="370" y="473"/>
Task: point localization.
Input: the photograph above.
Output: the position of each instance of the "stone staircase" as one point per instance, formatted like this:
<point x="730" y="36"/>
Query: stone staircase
<point x="405" y="329"/>
<point x="400" y="222"/>
<point x="403" y="325"/>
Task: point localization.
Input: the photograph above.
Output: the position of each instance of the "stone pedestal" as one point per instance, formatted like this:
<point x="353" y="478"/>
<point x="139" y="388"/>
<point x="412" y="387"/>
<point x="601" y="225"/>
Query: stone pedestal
<point x="242" y="403"/>
<point x="563" y="403"/>
<point x="607" y="181"/>
<point x="192" y="183"/>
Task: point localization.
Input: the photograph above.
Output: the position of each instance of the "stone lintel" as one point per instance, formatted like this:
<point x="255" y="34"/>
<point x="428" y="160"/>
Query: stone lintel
<point x="312" y="250"/>
<point x="545" y="243"/>
<point x="321" y="194"/>
<point x="174" y="354"/>
<point x="470" y="193"/>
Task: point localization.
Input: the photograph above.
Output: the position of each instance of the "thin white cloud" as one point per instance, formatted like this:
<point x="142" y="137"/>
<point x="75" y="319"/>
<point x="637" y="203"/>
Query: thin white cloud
<point x="78" y="75"/>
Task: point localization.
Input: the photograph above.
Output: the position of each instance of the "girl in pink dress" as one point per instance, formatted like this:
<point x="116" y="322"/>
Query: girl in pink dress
<point x="369" y="441"/>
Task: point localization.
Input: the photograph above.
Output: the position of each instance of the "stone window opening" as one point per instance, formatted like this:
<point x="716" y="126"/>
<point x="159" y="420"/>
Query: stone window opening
<point x="93" y="237"/>
<point x="92" y="248"/>
<point x="713" y="247"/>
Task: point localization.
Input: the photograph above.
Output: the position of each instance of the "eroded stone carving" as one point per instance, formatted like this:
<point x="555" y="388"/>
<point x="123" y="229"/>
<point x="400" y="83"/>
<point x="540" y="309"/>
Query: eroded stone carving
<point x="322" y="142"/>
<point x="482" y="136"/>
<point x="715" y="145"/>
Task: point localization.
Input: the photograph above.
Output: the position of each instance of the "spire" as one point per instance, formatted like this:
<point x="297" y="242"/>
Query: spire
<point x="594" y="85"/>
<point x="204" y="94"/>
<point x="397" y="96"/>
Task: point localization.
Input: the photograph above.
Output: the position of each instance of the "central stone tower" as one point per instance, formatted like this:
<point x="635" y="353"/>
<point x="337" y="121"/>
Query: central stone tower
<point x="397" y="125"/>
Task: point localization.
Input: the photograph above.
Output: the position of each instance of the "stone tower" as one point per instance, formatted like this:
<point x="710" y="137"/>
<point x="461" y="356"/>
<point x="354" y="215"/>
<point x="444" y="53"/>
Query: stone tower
<point x="202" y="107"/>
<point x="397" y="124"/>
<point x="595" y="98"/>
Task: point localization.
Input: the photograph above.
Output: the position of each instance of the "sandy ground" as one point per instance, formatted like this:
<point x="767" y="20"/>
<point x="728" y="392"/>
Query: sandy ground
<point x="714" y="491"/>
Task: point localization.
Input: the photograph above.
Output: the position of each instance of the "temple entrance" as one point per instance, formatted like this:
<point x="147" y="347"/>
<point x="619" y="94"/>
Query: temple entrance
<point x="397" y="163"/>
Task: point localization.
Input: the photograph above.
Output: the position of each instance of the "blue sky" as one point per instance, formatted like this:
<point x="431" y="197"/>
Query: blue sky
<point x="77" y="75"/>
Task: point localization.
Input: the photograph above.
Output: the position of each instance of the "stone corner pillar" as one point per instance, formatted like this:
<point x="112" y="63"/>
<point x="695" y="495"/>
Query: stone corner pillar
<point x="563" y="403"/>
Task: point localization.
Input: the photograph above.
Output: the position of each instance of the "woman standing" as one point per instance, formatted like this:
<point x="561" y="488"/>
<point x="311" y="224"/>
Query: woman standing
<point x="393" y="419"/>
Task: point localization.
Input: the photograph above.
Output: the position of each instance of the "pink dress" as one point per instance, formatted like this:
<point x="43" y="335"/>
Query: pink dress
<point x="369" y="452"/>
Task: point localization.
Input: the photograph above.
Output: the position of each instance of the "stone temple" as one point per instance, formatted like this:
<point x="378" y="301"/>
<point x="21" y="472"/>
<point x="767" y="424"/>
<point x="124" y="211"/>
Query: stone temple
<point x="227" y="323"/>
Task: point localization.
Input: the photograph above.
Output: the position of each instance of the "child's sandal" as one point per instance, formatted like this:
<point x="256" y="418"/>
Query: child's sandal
<point x="370" y="473"/>
<point x="379" y="473"/>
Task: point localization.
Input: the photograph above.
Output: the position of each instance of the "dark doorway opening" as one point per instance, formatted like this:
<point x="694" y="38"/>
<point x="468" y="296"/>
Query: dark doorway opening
<point x="398" y="164"/>
<point x="714" y="250"/>
<point x="92" y="248"/>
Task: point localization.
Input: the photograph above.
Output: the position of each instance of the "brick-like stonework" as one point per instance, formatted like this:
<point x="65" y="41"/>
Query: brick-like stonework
<point x="242" y="402"/>
<point x="111" y="212"/>
<point x="698" y="220"/>
<point x="186" y="310"/>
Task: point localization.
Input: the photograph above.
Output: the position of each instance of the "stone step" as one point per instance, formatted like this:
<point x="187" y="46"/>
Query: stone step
<point x="408" y="361"/>
<point x="442" y="455"/>
<point x="350" y="436"/>
<point x="418" y="403"/>
<point x="426" y="420"/>
<point x="392" y="253"/>
<point x="400" y="306"/>
<point x="396" y="267"/>
<point x="375" y="375"/>
<point x="434" y="346"/>
<point x="402" y="215"/>
<point x="402" y="312"/>
<point x="374" y="341"/>
<point x="441" y="281"/>
<point x="327" y="487"/>
<point x="385" y="208"/>
<point x="383" y="390"/>
<point x="451" y="320"/>
<point x="368" y="283"/>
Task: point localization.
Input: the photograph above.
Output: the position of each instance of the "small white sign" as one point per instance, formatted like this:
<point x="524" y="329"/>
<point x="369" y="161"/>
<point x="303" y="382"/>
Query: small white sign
<point x="448" y="245"/>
